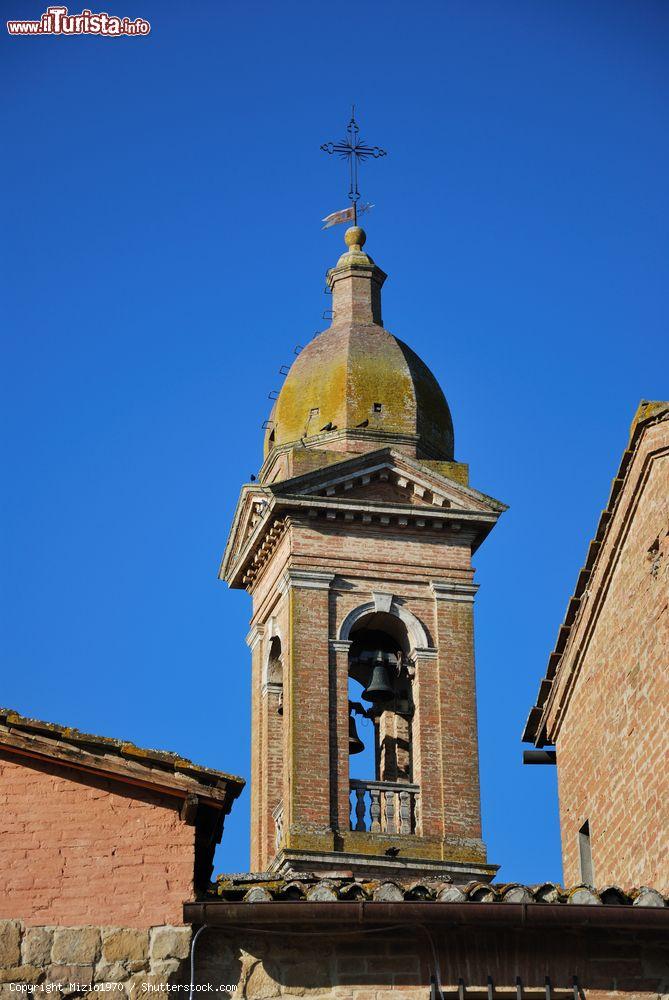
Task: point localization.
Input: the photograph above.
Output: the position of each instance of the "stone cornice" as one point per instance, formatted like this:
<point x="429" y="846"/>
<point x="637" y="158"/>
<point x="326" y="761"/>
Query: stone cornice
<point x="271" y="687"/>
<point x="239" y="546"/>
<point x="306" y="579"/>
<point x="425" y="653"/>
<point x="378" y="511"/>
<point x="466" y="527"/>
<point x="259" y="555"/>
<point x="254" y="636"/>
<point x="451" y="590"/>
<point x="340" y="645"/>
<point x="389" y="464"/>
<point x="447" y="505"/>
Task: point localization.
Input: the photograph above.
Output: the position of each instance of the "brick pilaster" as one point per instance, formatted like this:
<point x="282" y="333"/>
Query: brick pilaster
<point x="457" y="706"/>
<point x="339" y="714"/>
<point x="258" y="764"/>
<point x="426" y="732"/>
<point x="309" y="806"/>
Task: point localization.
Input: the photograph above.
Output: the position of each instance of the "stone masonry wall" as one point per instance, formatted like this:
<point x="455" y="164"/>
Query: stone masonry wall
<point x="69" y="961"/>
<point x="78" y="849"/>
<point x="332" y="963"/>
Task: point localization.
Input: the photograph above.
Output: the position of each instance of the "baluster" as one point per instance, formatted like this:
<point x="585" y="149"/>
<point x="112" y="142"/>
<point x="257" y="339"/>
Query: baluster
<point x="375" y="810"/>
<point x="405" y="812"/>
<point x="390" y="812"/>
<point x="278" y="826"/>
<point x="360" y="808"/>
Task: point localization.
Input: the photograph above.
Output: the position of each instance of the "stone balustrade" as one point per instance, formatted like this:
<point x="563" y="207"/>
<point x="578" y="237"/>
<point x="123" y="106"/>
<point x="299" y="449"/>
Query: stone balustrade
<point x="384" y="806"/>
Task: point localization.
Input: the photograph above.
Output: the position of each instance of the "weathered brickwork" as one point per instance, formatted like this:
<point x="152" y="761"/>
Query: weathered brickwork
<point x="394" y="554"/>
<point x="79" y="849"/>
<point x="457" y="699"/>
<point x="308" y="807"/>
<point x="73" y="960"/>
<point x="270" y="748"/>
<point x="301" y="757"/>
<point x="258" y="781"/>
<point x="610" y="708"/>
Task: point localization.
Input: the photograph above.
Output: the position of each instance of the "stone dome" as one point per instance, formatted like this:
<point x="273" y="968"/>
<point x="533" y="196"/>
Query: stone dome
<point x="355" y="374"/>
<point x="356" y="387"/>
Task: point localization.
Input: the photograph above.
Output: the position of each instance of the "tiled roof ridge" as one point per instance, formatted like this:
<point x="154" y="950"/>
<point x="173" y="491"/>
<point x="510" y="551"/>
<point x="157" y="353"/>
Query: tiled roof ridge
<point x="647" y="412"/>
<point x="255" y="887"/>
<point x="167" y="760"/>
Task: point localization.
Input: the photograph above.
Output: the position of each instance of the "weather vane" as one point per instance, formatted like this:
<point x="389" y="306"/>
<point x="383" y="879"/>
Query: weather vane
<point x="355" y="150"/>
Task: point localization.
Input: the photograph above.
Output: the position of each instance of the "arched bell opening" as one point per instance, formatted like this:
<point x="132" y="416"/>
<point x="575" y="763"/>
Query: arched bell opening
<point x="362" y="735"/>
<point x="381" y="708"/>
<point x="379" y="663"/>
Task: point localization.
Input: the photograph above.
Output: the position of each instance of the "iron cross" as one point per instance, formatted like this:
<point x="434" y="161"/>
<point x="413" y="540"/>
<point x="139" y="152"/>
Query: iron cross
<point x="353" y="149"/>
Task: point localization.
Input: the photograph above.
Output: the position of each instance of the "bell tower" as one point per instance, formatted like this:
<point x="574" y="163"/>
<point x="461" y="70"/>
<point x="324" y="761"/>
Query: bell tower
<point x="355" y="546"/>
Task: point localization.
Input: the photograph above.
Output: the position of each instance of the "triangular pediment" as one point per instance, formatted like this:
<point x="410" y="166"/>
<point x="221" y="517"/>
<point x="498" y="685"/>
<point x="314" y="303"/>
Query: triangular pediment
<point x="252" y="509"/>
<point x="383" y="487"/>
<point x="385" y="481"/>
<point x="254" y="505"/>
<point x="388" y="477"/>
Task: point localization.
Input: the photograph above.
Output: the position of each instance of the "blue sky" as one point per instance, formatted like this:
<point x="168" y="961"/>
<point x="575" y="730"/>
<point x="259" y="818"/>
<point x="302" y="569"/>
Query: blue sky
<point x="162" y="257"/>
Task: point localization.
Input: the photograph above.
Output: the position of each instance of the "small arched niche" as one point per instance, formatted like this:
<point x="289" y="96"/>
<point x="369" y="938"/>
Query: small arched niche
<point x="274" y="672"/>
<point x="275" y="735"/>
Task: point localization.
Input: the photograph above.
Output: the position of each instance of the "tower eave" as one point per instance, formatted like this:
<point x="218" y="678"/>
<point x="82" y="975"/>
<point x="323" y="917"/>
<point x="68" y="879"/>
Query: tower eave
<point x="468" y="526"/>
<point x="337" y="493"/>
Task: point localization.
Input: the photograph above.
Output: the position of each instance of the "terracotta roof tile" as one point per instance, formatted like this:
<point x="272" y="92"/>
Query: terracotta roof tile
<point x="263" y="886"/>
<point x="37" y="738"/>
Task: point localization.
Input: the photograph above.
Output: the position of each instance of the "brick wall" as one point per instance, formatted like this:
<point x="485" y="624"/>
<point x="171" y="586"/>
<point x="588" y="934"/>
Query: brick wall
<point x="613" y="740"/>
<point x="77" y="849"/>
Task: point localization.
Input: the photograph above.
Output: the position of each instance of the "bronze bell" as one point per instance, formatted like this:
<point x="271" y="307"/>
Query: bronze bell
<point x="355" y="744"/>
<point x="379" y="688"/>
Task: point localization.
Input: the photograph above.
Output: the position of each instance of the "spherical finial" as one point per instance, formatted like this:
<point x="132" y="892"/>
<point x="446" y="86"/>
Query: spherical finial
<point x="355" y="238"/>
